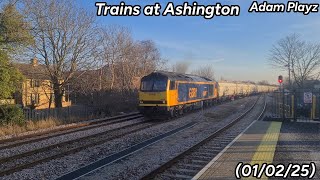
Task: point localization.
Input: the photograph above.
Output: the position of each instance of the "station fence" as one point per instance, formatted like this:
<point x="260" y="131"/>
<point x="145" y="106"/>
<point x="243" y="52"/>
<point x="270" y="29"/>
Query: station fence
<point x="298" y="104"/>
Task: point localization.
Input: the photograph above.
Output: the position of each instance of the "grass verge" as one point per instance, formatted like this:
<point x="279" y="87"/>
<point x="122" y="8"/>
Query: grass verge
<point x="14" y="129"/>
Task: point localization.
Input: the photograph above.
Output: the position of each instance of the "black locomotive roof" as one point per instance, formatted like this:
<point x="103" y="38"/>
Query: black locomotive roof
<point x="178" y="76"/>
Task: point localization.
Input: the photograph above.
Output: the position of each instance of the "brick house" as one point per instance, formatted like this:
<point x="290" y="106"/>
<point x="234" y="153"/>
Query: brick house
<point x="37" y="89"/>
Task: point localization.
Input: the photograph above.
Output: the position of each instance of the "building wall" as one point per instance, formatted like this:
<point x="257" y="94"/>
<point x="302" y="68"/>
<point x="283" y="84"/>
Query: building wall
<point x="40" y="93"/>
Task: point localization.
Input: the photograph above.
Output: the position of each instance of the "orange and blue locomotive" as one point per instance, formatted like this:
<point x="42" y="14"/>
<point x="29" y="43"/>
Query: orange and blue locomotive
<point x="172" y="94"/>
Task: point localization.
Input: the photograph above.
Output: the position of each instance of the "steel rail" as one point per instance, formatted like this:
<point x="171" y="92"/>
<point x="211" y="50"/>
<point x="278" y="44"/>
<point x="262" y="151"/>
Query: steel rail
<point x="68" y="151"/>
<point x="123" y="154"/>
<point x="18" y="141"/>
<point x="214" y="135"/>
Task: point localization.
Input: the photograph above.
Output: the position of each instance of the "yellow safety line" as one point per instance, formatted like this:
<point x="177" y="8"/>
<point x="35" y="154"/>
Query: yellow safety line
<point x="267" y="147"/>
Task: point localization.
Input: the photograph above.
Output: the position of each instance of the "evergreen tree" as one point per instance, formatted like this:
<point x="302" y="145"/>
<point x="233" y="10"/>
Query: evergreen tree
<point x="10" y="77"/>
<point x="14" y="33"/>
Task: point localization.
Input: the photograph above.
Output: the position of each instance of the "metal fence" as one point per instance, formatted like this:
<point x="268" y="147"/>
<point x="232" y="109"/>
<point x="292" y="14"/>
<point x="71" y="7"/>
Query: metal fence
<point x="90" y="106"/>
<point x="299" y="104"/>
<point x="66" y="114"/>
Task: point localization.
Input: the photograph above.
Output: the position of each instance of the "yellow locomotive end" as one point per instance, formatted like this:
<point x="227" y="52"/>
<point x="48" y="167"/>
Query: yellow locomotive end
<point x="153" y="95"/>
<point x="152" y="98"/>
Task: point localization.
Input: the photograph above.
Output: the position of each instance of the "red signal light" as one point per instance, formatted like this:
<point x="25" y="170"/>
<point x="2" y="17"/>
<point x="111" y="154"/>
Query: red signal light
<point x="280" y="79"/>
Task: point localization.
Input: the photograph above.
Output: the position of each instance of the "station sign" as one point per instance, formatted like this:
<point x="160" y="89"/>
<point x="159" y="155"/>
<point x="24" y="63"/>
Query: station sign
<point x="307" y="97"/>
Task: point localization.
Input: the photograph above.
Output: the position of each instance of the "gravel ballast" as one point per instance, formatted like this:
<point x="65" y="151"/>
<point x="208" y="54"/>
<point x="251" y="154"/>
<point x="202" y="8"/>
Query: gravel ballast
<point x="135" y="167"/>
<point x="31" y="146"/>
<point x="55" y="168"/>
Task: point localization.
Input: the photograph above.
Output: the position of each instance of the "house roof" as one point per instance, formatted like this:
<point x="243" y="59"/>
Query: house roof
<point x="91" y="73"/>
<point x="33" y="72"/>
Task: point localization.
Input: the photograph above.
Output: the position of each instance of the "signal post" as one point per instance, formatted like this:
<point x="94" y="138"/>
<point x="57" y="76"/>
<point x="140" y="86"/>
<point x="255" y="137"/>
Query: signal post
<point x="280" y="80"/>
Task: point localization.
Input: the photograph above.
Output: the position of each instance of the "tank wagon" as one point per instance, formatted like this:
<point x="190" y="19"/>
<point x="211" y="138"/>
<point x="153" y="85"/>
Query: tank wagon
<point x="231" y="90"/>
<point x="172" y="94"/>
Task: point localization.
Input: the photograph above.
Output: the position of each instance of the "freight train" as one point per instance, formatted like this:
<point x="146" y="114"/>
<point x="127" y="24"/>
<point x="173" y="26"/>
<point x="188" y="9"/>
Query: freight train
<point x="172" y="94"/>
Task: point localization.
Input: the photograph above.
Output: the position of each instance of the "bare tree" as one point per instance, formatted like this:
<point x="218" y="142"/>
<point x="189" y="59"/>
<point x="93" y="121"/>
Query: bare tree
<point x="283" y="53"/>
<point x="64" y="39"/>
<point x="162" y="64"/>
<point x="181" y="67"/>
<point x="299" y="57"/>
<point x="127" y="60"/>
<point x="205" y="71"/>
<point x="139" y="59"/>
<point x="306" y="63"/>
<point x="150" y="56"/>
<point x="222" y="78"/>
<point x="116" y="40"/>
<point x="263" y="82"/>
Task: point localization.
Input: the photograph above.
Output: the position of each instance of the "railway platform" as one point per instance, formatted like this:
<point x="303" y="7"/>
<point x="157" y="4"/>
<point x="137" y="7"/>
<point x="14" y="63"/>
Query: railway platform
<point x="268" y="142"/>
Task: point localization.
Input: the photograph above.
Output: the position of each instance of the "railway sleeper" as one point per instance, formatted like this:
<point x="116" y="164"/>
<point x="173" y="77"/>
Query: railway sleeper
<point x="182" y="171"/>
<point x="192" y="166"/>
<point x="214" y="148"/>
<point x="177" y="176"/>
<point x="210" y="151"/>
<point x="199" y="162"/>
<point x="204" y="158"/>
<point x="202" y="154"/>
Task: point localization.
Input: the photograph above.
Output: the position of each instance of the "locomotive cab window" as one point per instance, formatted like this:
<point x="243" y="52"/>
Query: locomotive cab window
<point x="159" y="85"/>
<point x="146" y="85"/>
<point x="172" y="85"/>
<point x="153" y="85"/>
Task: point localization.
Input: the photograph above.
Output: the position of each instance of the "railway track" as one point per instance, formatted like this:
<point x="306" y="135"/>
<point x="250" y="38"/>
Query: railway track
<point x="27" y="139"/>
<point x="18" y="162"/>
<point x="119" y="156"/>
<point x="187" y="164"/>
<point x="35" y="137"/>
<point x="122" y="154"/>
<point x="28" y="159"/>
<point x="31" y="138"/>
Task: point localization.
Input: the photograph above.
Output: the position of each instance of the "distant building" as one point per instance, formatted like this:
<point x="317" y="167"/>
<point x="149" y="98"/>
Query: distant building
<point x="37" y="90"/>
<point x="7" y="101"/>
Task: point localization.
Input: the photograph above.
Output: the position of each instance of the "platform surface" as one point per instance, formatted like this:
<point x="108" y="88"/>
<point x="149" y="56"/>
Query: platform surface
<point x="299" y="143"/>
<point x="256" y="145"/>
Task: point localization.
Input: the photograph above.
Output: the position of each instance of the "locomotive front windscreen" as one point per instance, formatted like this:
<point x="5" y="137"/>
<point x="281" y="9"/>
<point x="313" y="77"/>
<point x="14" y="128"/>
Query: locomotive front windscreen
<point x="153" y="85"/>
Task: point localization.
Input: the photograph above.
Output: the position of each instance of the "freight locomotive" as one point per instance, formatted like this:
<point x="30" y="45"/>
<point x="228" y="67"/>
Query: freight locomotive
<point x="172" y="94"/>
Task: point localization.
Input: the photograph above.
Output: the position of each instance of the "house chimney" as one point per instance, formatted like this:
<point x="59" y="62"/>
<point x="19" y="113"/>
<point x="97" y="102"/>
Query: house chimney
<point x="34" y="62"/>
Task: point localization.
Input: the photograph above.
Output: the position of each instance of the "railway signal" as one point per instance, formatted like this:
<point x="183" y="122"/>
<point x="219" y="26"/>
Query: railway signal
<point x="280" y="79"/>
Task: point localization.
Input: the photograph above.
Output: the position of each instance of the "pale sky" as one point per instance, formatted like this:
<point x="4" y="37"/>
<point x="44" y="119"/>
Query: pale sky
<point x="236" y="47"/>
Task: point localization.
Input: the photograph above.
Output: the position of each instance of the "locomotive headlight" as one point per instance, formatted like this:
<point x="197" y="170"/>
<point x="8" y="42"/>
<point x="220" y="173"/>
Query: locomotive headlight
<point x="141" y="102"/>
<point x="163" y="102"/>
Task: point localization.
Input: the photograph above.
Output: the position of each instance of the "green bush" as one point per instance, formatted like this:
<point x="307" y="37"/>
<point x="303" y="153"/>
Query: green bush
<point x="11" y="114"/>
